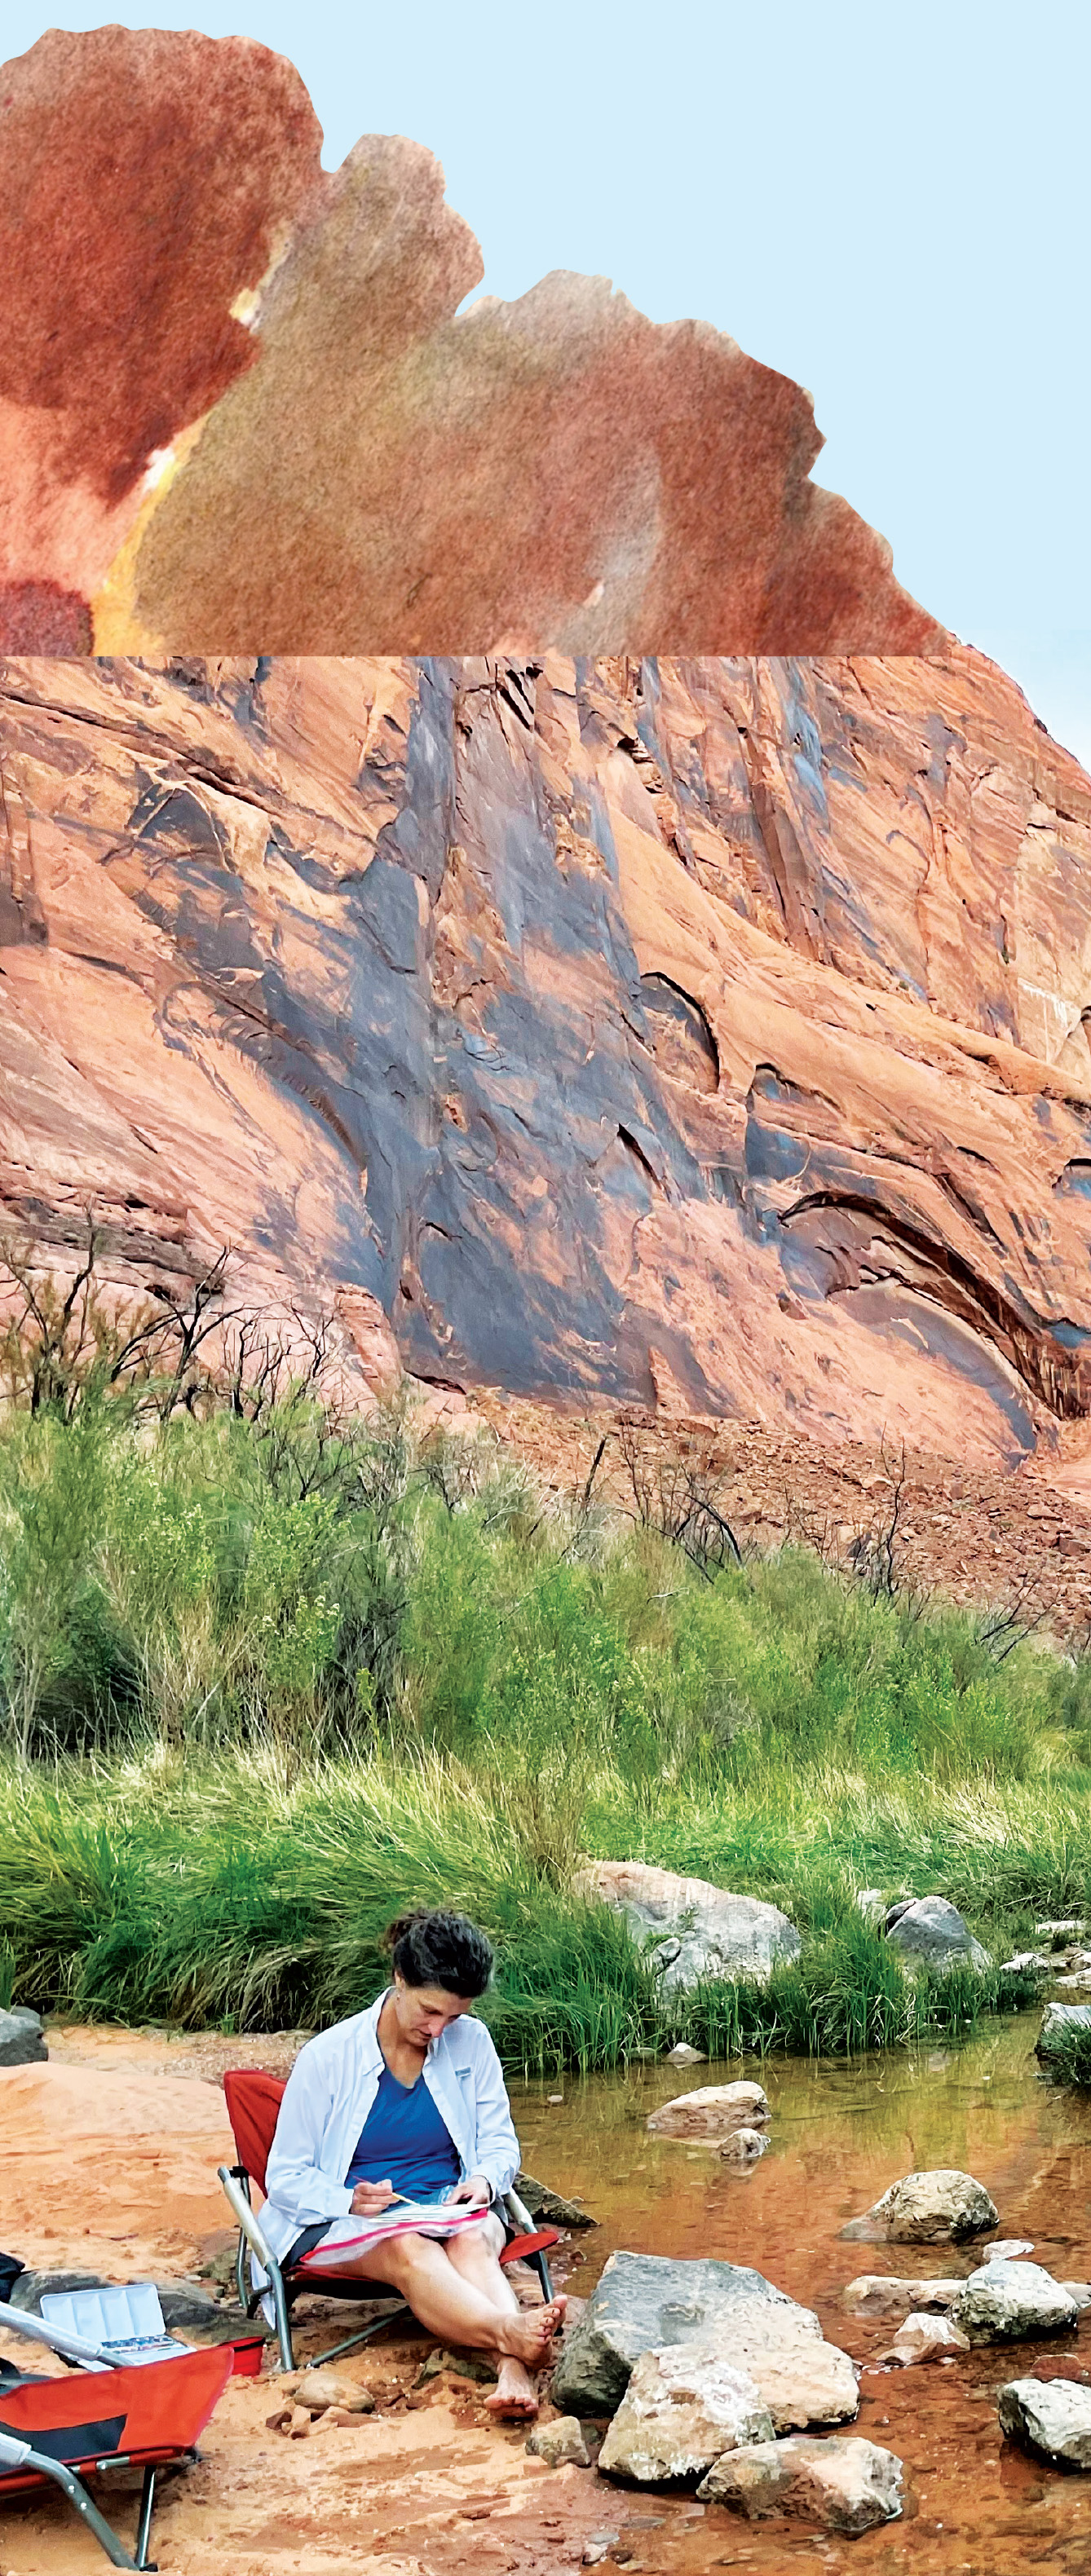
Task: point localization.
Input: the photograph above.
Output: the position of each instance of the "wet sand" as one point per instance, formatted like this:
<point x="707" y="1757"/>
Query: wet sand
<point x="109" y="2158"/>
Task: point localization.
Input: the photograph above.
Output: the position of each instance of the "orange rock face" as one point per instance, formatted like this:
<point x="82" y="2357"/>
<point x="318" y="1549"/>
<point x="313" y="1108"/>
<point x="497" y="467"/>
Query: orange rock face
<point x="702" y="1035"/>
<point x="239" y="410"/>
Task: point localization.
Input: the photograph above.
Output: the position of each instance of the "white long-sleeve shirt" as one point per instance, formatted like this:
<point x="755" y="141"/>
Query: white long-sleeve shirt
<point x="327" y="2099"/>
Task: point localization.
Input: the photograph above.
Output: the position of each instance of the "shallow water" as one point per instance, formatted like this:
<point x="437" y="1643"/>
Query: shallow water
<point x="840" y="2134"/>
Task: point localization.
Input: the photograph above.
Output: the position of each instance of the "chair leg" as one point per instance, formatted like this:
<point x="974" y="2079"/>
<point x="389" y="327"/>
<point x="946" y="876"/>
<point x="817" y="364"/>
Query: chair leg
<point x="541" y="2267"/>
<point x="144" y="2520"/>
<point x="77" y="2495"/>
<point x="283" y="2316"/>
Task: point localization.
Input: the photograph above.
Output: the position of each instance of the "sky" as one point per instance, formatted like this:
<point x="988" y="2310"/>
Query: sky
<point x="890" y="205"/>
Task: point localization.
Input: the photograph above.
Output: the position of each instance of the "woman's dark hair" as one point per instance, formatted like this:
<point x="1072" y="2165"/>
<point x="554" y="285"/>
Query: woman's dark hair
<point x="440" y="1950"/>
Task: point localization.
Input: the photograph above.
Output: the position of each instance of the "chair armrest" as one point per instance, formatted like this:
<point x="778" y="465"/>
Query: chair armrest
<point x="519" y="2214"/>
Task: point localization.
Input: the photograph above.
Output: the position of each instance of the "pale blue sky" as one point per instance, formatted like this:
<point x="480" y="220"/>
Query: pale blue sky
<point x="889" y="204"/>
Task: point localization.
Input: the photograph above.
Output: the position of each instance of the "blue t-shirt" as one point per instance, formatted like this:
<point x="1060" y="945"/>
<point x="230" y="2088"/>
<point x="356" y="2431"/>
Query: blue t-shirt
<point x="406" y="2141"/>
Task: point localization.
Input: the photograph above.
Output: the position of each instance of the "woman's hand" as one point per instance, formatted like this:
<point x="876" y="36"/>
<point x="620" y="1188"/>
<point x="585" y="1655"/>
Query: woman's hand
<point x="474" y="2193"/>
<point x="371" y="2197"/>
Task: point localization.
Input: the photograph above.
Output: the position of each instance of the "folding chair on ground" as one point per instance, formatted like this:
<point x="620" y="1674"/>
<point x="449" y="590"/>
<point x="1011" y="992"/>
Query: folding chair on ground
<point x="253" y="2102"/>
<point x="61" y="2431"/>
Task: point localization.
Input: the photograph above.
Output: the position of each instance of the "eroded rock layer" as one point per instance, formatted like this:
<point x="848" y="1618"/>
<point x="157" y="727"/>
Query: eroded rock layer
<point x="703" y="1036"/>
<point x="240" y="409"/>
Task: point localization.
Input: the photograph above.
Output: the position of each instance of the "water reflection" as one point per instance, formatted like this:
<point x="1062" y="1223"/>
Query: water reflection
<point x="840" y="2134"/>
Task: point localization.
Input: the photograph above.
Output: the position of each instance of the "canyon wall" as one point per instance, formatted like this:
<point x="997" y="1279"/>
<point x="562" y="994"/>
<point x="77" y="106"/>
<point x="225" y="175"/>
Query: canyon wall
<point x="703" y="1035"/>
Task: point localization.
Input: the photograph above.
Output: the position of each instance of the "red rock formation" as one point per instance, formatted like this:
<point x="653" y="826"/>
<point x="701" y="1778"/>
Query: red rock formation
<point x="707" y="1035"/>
<point x="554" y="472"/>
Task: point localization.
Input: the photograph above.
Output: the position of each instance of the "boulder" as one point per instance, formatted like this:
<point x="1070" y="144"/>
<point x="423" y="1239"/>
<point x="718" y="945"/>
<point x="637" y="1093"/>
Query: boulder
<point x="1052" y="2416"/>
<point x="925" y="2337"/>
<point x="1060" y="2018"/>
<point x="744" y="2147"/>
<point x="560" y="2444"/>
<point x="549" y="2208"/>
<point x="711" y="2112"/>
<point x="1069" y="1928"/>
<point x="883" y="2294"/>
<point x="1012" y="2302"/>
<point x="872" y="1903"/>
<point x="645" y="2302"/>
<point x="928" y="1932"/>
<point x="803" y="2379"/>
<point x="942" y="2207"/>
<point x="1006" y="2249"/>
<point x="698" y="1931"/>
<point x="683" y="2407"/>
<point x="1080" y="2291"/>
<point x="683" y="2055"/>
<point x="846" y="2485"/>
<point x="31" y="2287"/>
<point x="184" y="2304"/>
<point x="22" y="2039"/>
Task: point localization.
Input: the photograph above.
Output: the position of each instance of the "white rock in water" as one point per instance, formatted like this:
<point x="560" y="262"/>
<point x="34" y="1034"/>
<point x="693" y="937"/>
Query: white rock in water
<point x="921" y="2337"/>
<point x="698" y="1931"/>
<point x="883" y="2294"/>
<point x="844" y="2484"/>
<point x="1052" y="2416"/>
<point x="683" y="2055"/>
<point x="1007" y="2302"/>
<point x="712" y="2111"/>
<point x="803" y="2379"/>
<point x="1008" y="2248"/>
<point x="744" y="2147"/>
<point x="683" y="2407"/>
<point x="928" y="2209"/>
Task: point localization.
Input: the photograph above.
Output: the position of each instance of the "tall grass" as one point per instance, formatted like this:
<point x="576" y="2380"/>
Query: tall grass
<point x="259" y="1689"/>
<point x="222" y="1891"/>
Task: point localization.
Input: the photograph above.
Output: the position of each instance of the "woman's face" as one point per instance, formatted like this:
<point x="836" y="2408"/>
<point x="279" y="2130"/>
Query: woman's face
<point x="424" y="2011"/>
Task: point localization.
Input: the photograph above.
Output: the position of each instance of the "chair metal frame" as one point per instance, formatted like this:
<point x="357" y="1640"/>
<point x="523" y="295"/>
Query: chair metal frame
<point x="15" y="2455"/>
<point x="286" y="2286"/>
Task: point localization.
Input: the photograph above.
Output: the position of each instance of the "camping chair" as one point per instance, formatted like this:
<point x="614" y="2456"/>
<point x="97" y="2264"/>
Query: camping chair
<point x="253" y="2103"/>
<point x="60" y="2431"/>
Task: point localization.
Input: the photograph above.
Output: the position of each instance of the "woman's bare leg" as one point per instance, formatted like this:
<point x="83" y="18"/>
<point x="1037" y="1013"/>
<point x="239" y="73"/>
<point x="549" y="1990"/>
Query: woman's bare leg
<point x="449" y="2304"/>
<point x="476" y="2255"/>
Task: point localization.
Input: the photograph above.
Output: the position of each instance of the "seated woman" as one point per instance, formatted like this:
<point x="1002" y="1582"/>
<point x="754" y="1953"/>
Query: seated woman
<point x="406" y="2103"/>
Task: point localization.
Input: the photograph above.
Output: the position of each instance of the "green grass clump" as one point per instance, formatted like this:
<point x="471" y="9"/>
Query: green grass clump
<point x="263" y="1684"/>
<point x="219" y="1891"/>
<point x="1068" y="2059"/>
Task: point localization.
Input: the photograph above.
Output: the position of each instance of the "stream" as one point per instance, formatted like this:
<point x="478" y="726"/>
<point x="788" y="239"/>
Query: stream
<point x="840" y="2133"/>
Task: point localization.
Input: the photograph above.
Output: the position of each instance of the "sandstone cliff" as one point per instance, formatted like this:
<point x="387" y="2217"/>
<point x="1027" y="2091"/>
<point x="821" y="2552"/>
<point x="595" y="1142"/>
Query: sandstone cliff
<point x="240" y="410"/>
<point x="704" y="1035"/>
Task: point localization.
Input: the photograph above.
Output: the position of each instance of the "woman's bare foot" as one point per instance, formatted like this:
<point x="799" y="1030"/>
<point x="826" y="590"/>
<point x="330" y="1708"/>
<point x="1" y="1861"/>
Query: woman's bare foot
<point x="527" y="2336"/>
<point x="514" y="2394"/>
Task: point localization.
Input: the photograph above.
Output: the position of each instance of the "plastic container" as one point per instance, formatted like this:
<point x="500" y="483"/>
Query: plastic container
<point x="123" y="2319"/>
<point x="248" y="2351"/>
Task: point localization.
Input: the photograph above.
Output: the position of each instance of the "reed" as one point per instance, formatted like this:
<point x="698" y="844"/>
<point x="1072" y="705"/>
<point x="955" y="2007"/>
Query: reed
<point x="261" y="1688"/>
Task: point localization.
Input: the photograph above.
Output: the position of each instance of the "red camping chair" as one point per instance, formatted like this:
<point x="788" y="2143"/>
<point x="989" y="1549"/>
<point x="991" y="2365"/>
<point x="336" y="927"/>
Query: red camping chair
<point x="60" y="2431"/>
<point x="253" y="2104"/>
